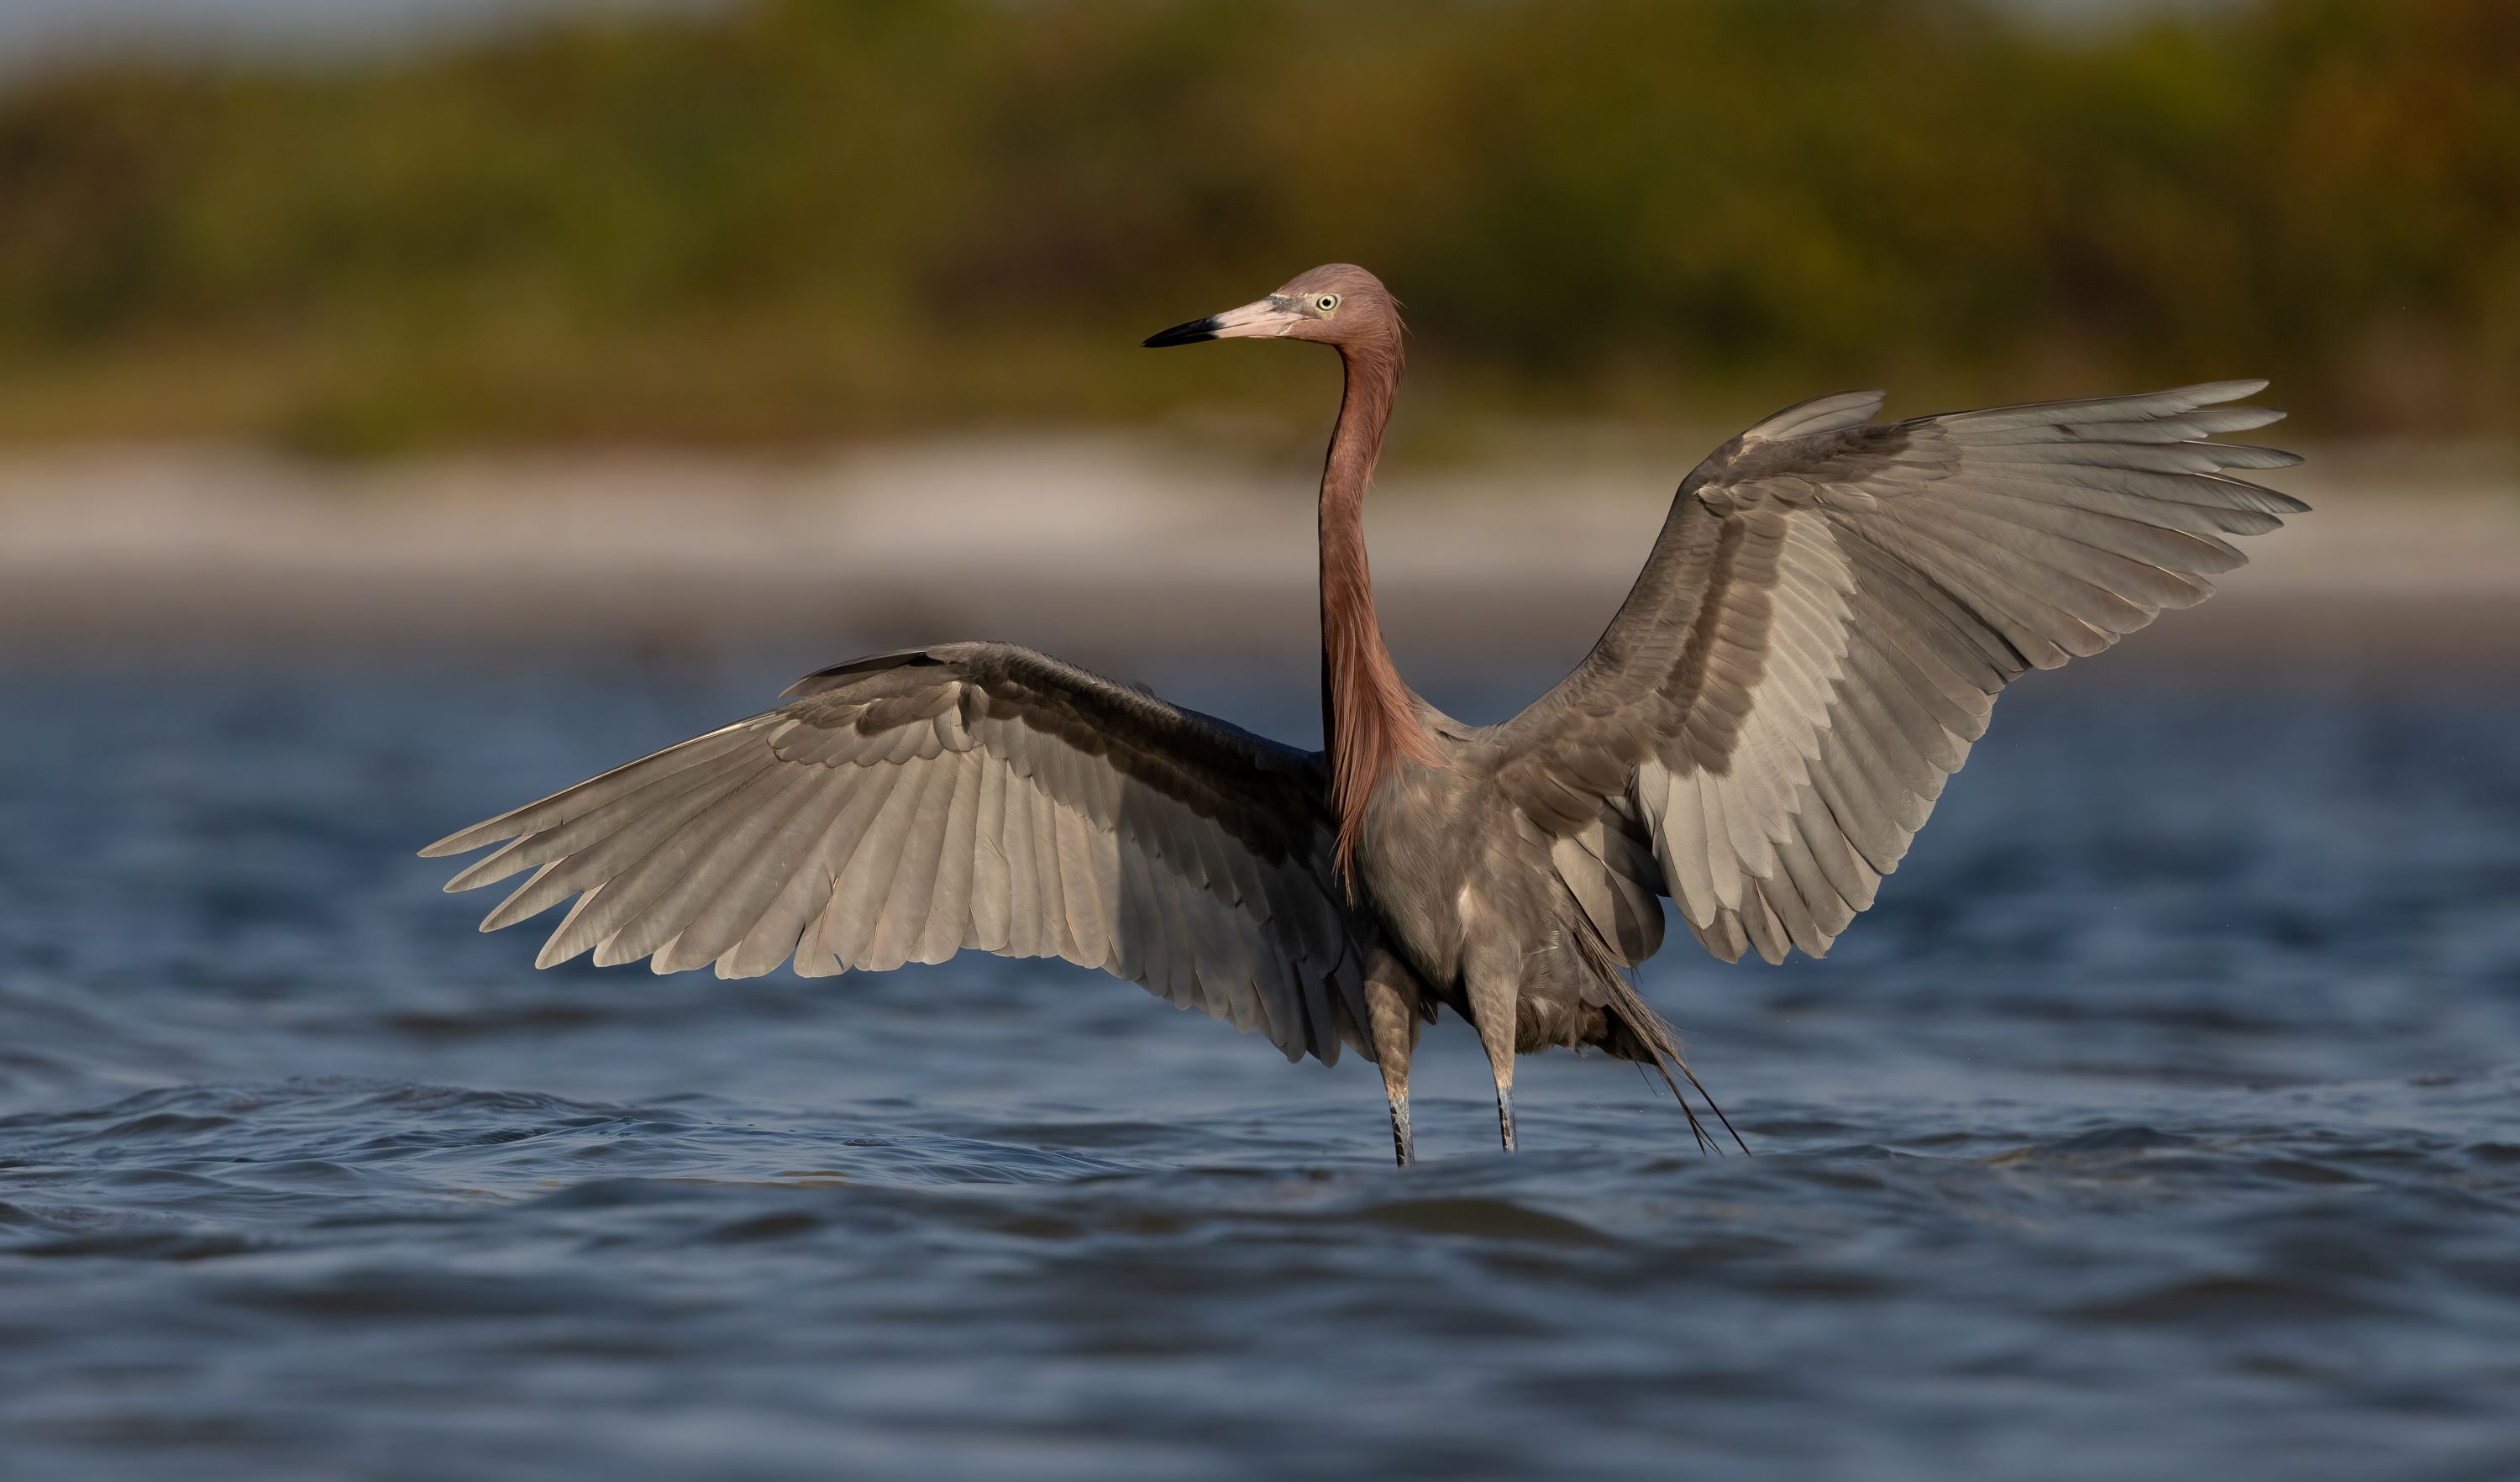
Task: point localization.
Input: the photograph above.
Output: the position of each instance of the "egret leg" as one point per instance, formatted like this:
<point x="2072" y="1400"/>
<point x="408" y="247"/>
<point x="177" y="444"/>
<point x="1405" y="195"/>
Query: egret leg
<point x="1493" y="1004"/>
<point x="1391" y="1012"/>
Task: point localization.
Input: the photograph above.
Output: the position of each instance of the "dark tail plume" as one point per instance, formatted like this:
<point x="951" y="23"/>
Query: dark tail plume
<point x="1641" y="1034"/>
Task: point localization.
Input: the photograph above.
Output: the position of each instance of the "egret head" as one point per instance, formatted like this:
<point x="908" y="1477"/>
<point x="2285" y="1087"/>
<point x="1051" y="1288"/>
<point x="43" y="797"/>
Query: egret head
<point x="1338" y="303"/>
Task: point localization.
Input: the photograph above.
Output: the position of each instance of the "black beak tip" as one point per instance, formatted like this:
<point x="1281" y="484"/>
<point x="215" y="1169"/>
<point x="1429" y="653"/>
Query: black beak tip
<point x="1197" y="332"/>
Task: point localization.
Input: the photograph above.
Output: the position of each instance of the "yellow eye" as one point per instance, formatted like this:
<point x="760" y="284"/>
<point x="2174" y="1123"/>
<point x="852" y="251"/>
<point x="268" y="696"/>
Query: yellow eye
<point x="1327" y="302"/>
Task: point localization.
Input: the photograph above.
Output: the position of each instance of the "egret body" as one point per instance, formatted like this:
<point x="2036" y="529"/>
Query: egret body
<point x="1817" y="636"/>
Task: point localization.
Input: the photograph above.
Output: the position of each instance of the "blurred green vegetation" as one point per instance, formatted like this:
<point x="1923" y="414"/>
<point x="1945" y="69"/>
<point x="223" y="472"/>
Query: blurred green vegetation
<point x="802" y="220"/>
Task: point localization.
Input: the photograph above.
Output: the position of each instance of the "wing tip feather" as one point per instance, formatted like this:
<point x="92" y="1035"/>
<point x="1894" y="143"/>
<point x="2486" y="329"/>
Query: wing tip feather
<point x="2211" y="393"/>
<point x="463" y="840"/>
<point x="551" y="955"/>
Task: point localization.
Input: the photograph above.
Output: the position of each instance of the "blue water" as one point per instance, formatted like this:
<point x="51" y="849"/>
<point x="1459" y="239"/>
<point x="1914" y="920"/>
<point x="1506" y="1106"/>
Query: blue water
<point x="2163" y="1120"/>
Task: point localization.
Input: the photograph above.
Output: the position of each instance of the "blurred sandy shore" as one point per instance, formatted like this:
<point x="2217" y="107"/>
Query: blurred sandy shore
<point x="1114" y="551"/>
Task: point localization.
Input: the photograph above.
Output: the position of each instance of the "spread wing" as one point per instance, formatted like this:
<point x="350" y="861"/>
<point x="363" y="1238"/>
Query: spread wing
<point x="902" y="808"/>
<point x="1827" y="616"/>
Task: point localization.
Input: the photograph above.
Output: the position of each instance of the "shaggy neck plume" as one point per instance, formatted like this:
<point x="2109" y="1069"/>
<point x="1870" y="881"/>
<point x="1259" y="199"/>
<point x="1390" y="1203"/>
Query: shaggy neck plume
<point x="1367" y="711"/>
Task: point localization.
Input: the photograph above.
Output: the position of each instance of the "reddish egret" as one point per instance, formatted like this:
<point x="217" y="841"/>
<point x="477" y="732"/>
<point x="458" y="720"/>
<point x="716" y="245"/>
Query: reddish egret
<point x="1817" y="636"/>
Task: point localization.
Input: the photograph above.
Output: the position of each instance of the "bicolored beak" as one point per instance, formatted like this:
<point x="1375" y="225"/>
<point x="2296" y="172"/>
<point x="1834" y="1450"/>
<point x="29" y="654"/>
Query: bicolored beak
<point x="1262" y="319"/>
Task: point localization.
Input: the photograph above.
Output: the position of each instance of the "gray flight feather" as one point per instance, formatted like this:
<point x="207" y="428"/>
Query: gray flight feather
<point x="1832" y="608"/>
<point x="901" y="808"/>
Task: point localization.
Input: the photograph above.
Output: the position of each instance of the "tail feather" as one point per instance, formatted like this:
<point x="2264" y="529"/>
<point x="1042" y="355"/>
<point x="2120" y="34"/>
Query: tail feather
<point x="1640" y="1034"/>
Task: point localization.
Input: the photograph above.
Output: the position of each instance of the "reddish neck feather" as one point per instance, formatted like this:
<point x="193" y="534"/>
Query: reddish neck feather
<point x="1368" y="710"/>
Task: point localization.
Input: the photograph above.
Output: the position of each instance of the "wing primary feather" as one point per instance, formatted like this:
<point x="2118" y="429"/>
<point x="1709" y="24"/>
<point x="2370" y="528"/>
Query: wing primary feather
<point x="622" y="850"/>
<point x="1079" y="881"/>
<point x="1128" y="928"/>
<point x="901" y="920"/>
<point x="755" y="879"/>
<point x="865" y="882"/>
<point x="569" y="802"/>
<point x="1049" y="870"/>
<point x="949" y="911"/>
<point x="658" y="878"/>
<point x="716" y="865"/>
<point x="629" y="868"/>
<point x="1023" y="872"/>
<point x="992" y="878"/>
<point x="803" y="887"/>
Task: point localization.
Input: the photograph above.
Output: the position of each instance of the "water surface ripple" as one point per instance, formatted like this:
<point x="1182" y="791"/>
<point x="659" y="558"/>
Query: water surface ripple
<point x="2161" y="1120"/>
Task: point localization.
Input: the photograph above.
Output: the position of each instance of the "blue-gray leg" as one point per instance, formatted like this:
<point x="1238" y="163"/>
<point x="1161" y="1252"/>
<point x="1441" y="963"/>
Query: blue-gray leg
<point x="1494" y="999"/>
<point x="1391" y="1011"/>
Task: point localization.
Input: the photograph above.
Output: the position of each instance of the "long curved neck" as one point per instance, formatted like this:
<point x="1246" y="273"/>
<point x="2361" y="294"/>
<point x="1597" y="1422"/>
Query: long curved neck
<point x="1368" y="713"/>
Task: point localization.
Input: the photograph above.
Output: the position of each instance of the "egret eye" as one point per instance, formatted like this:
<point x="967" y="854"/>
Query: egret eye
<point x="1327" y="302"/>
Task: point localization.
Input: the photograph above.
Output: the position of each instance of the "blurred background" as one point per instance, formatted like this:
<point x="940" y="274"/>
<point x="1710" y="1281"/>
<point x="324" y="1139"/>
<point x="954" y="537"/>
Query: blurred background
<point x="337" y="316"/>
<point x="417" y="226"/>
<point x="410" y="407"/>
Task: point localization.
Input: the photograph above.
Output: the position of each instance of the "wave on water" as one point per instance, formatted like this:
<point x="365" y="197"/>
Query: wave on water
<point x="2162" y="1120"/>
